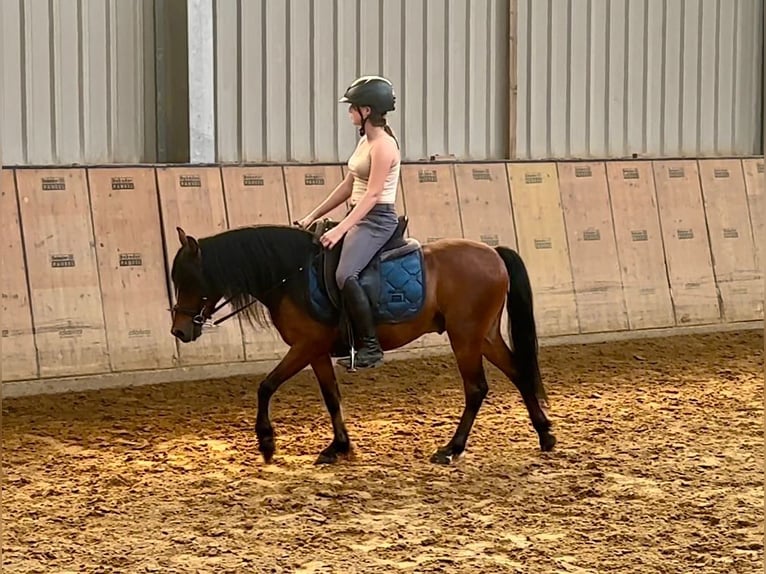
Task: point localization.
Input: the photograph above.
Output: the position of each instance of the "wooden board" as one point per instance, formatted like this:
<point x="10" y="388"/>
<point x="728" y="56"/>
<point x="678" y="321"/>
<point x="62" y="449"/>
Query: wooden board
<point x="192" y="198"/>
<point x="255" y="196"/>
<point x="731" y="239"/>
<point x="687" y="250"/>
<point x="308" y="185"/>
<point x="542" y="243"/>
<point x="485" y="203"/>
<point x="592" y="247"/>
<point x="639" y="244"/>
<point x="431" y="200"/>
<point x="131" y="267"/>
<point x="757" y="203"/>
<point x="19" y="357"/>
<point x="63" y="276"/>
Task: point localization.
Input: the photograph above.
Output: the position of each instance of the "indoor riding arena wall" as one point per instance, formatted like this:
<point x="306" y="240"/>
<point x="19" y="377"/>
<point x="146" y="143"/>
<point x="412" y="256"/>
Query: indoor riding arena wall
<point x="614" y="249"/>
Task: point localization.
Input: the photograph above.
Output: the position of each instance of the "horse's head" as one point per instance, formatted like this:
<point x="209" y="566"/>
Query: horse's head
<point x="194" y="300"/>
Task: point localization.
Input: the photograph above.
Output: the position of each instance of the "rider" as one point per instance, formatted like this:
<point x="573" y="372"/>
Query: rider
<point x="371" y="185"/>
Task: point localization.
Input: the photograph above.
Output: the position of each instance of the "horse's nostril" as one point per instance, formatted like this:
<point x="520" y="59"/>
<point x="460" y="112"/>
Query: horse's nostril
<point x="179" y="334"/>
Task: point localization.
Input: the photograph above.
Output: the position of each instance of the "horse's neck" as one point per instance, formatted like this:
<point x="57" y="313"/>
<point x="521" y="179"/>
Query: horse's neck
<point x="264" y="269"/>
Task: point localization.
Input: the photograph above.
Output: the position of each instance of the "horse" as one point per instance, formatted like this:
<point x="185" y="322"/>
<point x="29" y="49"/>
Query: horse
<point x="281" y="275"/>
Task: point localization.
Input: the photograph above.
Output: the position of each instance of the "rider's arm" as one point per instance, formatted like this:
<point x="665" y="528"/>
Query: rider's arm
<point x="338" y="195"/>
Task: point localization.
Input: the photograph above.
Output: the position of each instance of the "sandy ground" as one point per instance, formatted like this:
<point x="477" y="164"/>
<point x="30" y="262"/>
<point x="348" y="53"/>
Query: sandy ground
<point x="658" y="468"/>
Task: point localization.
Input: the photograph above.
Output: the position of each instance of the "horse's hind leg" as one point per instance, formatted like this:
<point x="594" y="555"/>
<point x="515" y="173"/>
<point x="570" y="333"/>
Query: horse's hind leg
<point x="499" y="354"/>
<point x="328" y="384"/>
<point x="469" y="362"/>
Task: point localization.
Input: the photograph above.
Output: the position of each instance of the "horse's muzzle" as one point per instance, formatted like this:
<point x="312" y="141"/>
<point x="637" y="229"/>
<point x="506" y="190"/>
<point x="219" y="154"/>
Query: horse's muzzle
<point x="182" y="336"/>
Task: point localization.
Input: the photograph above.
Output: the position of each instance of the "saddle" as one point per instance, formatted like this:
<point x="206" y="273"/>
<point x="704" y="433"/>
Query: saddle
<point x="369" y="278"/>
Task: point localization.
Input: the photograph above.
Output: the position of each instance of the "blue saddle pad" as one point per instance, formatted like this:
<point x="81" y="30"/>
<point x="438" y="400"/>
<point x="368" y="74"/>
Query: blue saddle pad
<point x="396" y="287"/>
<point x="402" y="288"/>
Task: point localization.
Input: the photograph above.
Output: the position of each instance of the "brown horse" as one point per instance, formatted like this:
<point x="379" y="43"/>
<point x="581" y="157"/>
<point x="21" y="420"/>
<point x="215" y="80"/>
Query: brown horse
<point x="460" y="286"/>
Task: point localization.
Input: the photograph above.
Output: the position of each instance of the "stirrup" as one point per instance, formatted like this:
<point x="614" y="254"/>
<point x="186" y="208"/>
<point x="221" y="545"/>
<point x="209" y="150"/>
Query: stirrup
<point x="350" y="362"/>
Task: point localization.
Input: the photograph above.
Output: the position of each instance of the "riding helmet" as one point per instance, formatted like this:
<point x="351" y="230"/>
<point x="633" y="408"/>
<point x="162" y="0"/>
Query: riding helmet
<point x="374" y="91"/>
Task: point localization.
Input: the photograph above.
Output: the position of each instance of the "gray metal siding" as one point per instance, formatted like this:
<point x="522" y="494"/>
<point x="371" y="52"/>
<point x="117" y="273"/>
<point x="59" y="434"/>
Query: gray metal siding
<point x="78" y="81"/>
<point x="594" y="78"/>
<point x="281" y="67"/>
<point x="601" y="78"/>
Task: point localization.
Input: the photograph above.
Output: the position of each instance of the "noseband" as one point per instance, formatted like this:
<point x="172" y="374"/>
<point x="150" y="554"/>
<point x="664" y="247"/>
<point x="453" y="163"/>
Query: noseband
<point x="203" y="315"/>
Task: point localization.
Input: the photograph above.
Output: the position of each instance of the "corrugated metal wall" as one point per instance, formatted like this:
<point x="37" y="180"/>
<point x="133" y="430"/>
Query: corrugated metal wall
<point x="78" y="81"/>
<point x="612" y="78"/>
<point x="281" y="67"/>
<point x="595" y="78"/>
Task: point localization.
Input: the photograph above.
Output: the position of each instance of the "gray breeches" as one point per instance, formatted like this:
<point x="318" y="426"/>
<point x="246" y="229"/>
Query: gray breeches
<point x="364" y="240"/>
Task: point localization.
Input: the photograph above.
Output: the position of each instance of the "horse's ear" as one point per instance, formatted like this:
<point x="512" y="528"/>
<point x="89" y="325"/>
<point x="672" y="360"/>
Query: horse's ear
<point x="188" y="241"/>
<point x="193" y="246"/>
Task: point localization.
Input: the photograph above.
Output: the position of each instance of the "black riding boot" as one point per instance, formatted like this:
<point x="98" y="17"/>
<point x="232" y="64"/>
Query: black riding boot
<point x="359" y="311"/>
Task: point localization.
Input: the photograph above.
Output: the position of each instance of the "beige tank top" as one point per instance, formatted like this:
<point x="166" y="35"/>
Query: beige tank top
<point x="359" y="166"/>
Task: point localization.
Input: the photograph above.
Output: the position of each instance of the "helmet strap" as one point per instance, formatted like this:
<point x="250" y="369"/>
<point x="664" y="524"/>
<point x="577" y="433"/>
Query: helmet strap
<point x="364" y="120"/>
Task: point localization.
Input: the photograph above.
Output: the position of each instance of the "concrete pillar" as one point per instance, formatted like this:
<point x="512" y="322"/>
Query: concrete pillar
<point x="201" y="81"/>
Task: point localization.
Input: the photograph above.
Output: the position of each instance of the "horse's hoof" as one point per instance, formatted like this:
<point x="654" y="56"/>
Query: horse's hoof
<point x="336" y="451"/>
<point x="547" y="442"/>
<point x="267" y="449"/>
<point x="327" y="458"/>
<point x="443" y="456"/>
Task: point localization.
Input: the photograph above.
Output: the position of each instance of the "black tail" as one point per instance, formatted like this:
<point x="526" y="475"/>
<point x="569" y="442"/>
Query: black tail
<point x="522" y="329"/>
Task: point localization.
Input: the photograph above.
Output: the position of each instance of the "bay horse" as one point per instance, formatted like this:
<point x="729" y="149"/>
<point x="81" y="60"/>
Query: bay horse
<point x="460" y="286"/>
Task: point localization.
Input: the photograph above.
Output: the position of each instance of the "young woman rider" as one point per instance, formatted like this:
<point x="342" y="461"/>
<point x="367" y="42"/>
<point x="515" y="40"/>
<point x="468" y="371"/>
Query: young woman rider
<point x="371" y="185"/>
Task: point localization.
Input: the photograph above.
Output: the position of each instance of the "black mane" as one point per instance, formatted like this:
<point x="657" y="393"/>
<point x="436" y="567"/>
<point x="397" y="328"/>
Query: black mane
<point x="251" y="263"/>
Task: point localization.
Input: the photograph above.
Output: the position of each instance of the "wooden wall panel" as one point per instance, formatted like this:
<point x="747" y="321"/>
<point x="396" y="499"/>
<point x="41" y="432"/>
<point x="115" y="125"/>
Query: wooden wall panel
<point x="731" y="239"/>
<point x="19" y="355"/>
<point x="639" y="244"/>
<point x="63" y="276"/>
<point x="192" y="198"/>
<point x="542" y="242"/>
<point x="592" y="247"/>
<point x="687" y="249"/>
<point x="131" y="265"/>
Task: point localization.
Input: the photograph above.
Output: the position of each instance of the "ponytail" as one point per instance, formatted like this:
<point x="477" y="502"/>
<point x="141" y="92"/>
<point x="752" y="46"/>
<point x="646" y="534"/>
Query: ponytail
<point x="390" y="132"/>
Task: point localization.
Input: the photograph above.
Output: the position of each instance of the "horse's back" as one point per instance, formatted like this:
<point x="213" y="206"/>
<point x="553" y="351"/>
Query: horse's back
<point x="458" y="265"/>
<point x="454" y="250"/>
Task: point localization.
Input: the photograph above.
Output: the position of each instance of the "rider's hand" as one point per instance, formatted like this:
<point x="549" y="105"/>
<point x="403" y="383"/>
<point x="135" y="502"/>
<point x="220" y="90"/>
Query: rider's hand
<point x="304" y="223"/>
<point x="331" y="238"/>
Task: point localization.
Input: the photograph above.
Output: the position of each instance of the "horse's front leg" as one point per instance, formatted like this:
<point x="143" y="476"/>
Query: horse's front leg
<point x="296" y="359"/>
<point x="328" y="384"/>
